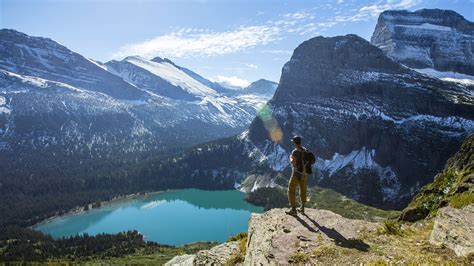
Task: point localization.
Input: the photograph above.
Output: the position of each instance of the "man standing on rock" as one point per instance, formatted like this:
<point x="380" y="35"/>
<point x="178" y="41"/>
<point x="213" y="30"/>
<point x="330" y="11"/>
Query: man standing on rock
<point x="299" y="176"/>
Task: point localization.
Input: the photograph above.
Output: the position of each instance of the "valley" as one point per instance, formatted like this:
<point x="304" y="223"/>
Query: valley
<point x="390" y="122"/>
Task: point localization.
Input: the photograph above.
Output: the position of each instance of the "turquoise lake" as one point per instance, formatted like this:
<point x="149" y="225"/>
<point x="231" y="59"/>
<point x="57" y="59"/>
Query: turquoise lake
<point x="171" y="217"/>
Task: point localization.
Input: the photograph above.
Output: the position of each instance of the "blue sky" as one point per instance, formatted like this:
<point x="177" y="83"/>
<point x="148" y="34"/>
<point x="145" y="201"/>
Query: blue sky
<point x="234" y="41"/>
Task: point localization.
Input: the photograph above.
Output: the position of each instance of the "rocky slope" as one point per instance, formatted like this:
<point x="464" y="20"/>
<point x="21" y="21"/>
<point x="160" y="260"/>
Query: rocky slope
<point x="429" y="38"/>
<point x="453" y="186"/>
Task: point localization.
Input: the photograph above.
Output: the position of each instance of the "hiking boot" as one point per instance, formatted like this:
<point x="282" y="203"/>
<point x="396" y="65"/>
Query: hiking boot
<point x="292" y="211"/>
<point x="301" y="209"/>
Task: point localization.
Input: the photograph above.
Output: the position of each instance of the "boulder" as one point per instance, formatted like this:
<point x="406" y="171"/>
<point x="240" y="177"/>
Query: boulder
<point x="454" y="228"/>
<point x="275" y="237"/>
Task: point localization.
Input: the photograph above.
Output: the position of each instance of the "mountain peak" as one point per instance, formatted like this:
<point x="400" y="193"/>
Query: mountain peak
<point x="322" y="62"/>
<point x="162" y="60"/>
<point x="343" y="52"/>
<point x="427" y="38"/>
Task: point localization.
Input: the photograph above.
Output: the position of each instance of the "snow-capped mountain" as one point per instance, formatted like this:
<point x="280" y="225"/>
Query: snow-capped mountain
<point x="261" y="87"/>
<point x="45" y="58"/>
<point x="379" y="130"/>
<point x="161" y="77"/>
<point x="435" y="39"/>
<point x="53" y="99"/>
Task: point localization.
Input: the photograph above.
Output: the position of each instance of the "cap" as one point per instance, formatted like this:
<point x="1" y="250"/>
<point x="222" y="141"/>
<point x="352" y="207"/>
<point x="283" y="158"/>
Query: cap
<point x="296" y="140"/>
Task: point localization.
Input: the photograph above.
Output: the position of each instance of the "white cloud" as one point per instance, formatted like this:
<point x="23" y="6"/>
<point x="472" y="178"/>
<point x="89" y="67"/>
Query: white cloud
<point x="253" y="66"/>
<point x="376" y="9"/>
<point x="201" y="43"/>
<point x="193" y="42"/>
<point x="233" y="81"/>
<point x="189" y="43"/>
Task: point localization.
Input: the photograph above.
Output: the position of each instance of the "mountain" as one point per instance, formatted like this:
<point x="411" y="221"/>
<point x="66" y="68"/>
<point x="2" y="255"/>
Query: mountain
<point x="67" y="121"/>
<point x="437" y="39"/>
<point x="261" y="87"/>
<point x="46" y="59"/>
<point x="154" y="95"/>
<point x="379" y="130"/>
<point x="368" y="119"/>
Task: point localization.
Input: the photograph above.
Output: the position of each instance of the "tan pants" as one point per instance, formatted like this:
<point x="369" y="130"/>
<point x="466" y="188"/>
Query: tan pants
<point x="294" y="182"/>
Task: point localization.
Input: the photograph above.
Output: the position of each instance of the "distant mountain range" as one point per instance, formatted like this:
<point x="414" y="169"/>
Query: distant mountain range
<point x="54" y="97"/>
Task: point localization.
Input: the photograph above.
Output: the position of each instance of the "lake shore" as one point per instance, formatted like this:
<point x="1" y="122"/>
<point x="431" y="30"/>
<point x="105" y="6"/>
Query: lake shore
<point x="81" y="209"/>
<point x="173" y="217"/>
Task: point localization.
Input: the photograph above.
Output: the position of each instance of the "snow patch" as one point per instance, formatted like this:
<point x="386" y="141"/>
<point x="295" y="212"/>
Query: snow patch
<point x="358" y="158"/>
<point x="276" y="156"/>
<point x="363" y="159"/>
<point x="426" y="26"/>
<point x="173" y="75"/>
<point x="447" y="76"/>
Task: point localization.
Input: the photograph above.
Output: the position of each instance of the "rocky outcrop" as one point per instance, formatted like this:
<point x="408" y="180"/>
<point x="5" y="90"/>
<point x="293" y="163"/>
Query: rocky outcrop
<point x="276" y="238"/>
<point x="454" y="228"/>
<point x="427" y="38"/>
<point x="323" y="237"/>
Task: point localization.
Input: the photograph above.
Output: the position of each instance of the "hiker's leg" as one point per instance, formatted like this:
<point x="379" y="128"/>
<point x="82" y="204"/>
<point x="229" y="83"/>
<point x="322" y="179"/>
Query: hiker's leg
<point x="303" y="188"/>
<point x="292" y="191"/>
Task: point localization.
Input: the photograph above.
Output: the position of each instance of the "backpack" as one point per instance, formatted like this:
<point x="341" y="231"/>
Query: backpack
<point x="308" y="160"/>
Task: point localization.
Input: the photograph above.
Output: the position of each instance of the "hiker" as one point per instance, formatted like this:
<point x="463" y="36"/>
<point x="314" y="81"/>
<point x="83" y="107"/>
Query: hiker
<point x="301" y="162"/>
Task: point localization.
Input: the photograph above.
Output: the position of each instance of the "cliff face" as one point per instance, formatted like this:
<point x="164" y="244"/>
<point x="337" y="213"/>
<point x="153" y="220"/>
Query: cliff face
<point x="427" y="38"/>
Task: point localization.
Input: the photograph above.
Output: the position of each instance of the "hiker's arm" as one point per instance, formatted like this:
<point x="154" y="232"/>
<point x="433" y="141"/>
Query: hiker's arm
<point x="293" y="159"/>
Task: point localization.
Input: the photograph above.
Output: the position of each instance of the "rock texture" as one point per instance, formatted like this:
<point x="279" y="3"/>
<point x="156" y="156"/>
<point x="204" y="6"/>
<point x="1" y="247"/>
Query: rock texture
<point x="427" y="38"/>
<point x="218" y="255"/>
<point x="454" y="228"/>
<point x="324" y="238"/>
<point x="182" y="260"/>
<point x="275" y="237"/>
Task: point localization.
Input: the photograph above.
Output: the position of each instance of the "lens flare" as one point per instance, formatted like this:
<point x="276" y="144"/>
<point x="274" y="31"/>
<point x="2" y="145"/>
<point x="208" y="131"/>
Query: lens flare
<point x="270" y="123"/>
